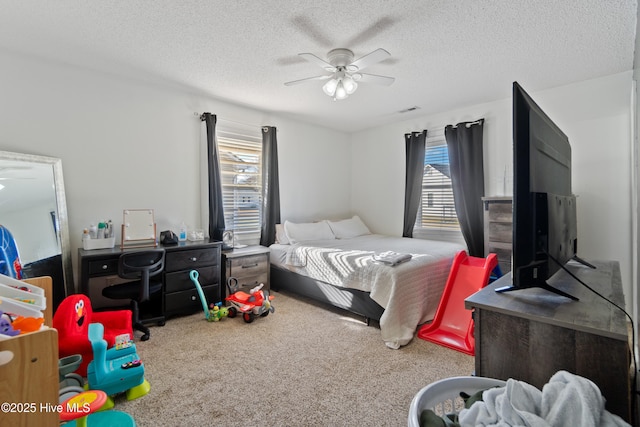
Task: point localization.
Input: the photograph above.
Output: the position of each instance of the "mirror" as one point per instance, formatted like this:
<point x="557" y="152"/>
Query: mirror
<point x="33" y="209"/>
<point x="138" y="228"/>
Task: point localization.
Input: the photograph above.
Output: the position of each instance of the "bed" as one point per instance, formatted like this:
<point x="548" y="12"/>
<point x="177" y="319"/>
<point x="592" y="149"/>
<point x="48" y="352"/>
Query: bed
<point x="343" y="264"/>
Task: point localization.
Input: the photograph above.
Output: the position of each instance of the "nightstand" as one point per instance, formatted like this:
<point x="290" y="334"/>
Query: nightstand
<point x="249" y="265"/>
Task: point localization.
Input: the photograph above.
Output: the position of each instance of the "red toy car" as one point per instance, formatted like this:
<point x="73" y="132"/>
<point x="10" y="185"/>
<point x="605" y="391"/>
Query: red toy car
<point x="255" y="303"/>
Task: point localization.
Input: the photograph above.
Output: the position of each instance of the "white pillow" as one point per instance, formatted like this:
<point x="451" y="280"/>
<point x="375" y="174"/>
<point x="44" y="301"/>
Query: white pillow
<point x="348" y="228"/>
<point x="281" y="236"/>
<point x="308" y="231"/>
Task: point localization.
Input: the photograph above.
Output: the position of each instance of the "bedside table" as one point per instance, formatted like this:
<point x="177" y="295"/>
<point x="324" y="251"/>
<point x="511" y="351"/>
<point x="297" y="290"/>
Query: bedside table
<point x="249" y="265"/>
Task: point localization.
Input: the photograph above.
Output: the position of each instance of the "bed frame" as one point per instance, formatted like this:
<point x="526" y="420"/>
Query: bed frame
<point x="352" y="300"/>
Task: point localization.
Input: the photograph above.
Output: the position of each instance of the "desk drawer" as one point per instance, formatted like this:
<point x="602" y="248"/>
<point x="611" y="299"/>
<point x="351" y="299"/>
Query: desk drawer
<point x="189" y="301"/>
<point x="247" y="266"/>
<point x="181" y="280"/>
<point x="105" y="266"/>
<point x="193" y="258"/>
<point x="245" y="284"/>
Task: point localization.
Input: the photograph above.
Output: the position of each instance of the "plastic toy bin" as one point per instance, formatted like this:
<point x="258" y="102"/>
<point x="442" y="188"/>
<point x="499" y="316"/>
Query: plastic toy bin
<point x="21" y="298"/>
<point x="443" y="397"/>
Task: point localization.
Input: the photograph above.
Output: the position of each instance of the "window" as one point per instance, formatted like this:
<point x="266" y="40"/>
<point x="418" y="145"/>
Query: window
<point x="437" y="213"/>
<point x="241" y="169"/>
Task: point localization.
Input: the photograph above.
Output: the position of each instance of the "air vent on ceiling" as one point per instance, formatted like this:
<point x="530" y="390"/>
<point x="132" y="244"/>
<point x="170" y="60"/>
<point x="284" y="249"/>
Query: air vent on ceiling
<point x="406" y="110"/>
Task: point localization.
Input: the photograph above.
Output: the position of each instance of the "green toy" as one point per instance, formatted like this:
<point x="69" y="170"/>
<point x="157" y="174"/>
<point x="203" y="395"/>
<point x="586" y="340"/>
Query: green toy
<point x="217" y="312"/>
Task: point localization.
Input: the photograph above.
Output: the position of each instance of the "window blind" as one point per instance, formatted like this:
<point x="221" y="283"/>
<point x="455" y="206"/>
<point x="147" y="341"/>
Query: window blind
<point x="241" y="164"/>
<point x="437" y="209"/>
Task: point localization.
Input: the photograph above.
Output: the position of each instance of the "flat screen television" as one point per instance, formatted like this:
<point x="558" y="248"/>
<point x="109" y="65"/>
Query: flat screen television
<point x="544" y="207"/>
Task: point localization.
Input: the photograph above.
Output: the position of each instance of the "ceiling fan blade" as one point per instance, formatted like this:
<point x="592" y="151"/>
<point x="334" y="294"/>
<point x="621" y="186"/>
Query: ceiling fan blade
<point x="371" y="31"/>
<point x="308" y="79"/>
<point x="375" y="79"/>
<point x="309" y="27"/>
<point x="318" y="61"/>
<point x="369" y="59"/>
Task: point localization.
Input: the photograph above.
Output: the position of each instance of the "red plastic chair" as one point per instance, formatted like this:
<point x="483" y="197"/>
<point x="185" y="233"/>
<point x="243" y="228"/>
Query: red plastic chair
<point x="72" y="319"/>
<point x="452" y="325"/>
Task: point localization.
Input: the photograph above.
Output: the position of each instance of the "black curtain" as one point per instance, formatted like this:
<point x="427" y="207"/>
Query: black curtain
<point x="464" y="143"/>
<point x="216" y="209"/>
<point x="414" y="152"/>
<point x="270" y="186"/>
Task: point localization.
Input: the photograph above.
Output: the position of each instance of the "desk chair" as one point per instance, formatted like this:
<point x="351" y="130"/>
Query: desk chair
<point x="145" y="268"/>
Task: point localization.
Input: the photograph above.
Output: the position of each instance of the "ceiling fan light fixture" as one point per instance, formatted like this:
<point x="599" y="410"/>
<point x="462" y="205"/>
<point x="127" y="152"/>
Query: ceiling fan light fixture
<point x="330" y="87"/>
<point x="349" y="85"/>
<point x="341" y="91"/>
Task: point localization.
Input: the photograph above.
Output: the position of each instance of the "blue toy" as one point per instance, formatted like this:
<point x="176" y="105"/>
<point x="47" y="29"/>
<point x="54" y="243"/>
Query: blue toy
<point x="115" y="370"/>
<point x="214" y="312"/>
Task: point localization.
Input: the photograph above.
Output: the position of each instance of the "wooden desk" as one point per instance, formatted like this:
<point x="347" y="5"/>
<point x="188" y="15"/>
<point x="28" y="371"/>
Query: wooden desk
<point x="99" y="269"/>
<point x="530" y="334"/>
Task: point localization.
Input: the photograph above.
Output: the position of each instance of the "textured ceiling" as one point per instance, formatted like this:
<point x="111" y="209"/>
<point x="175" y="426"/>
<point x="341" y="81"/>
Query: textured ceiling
<point x="444" y="54"/>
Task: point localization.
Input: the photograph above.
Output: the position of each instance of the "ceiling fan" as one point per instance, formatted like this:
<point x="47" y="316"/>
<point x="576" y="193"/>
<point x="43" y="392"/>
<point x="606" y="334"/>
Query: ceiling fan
<point x="345" y="73"/>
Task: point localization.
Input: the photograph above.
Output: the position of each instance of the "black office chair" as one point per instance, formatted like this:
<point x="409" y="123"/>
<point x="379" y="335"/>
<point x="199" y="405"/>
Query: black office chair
<point x="145" y="268"/>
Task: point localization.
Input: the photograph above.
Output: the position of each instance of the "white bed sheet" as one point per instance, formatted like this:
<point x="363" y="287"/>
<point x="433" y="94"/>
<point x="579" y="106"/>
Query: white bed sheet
<point x="409" y="292"/>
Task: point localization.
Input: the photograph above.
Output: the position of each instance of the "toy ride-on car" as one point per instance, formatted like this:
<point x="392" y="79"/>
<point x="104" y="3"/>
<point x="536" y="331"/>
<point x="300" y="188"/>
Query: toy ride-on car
<point x="255" y="303"/>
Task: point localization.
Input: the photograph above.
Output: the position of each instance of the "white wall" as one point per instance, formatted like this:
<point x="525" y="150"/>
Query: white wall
<point x="595" y="115"/>
<point x="128" y="144"/>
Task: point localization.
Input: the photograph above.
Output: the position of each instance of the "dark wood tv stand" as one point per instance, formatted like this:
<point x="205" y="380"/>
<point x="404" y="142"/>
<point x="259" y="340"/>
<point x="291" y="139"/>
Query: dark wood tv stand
<point x="531" y="334"/>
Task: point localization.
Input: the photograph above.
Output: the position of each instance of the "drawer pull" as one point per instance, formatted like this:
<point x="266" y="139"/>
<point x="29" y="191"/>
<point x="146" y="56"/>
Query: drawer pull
<point x="193" y="297"/>
<point x="105" y="266"/>
<point x="194" y="259"/>
<point x="250" y="265"/>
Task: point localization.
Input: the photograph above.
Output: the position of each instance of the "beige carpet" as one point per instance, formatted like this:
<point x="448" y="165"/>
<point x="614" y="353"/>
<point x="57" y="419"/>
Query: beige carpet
<point x="303" y="365"/>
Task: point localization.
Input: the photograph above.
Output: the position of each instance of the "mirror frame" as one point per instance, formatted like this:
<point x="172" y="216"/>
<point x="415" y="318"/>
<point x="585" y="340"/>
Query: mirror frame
<point x="61" y="204"/>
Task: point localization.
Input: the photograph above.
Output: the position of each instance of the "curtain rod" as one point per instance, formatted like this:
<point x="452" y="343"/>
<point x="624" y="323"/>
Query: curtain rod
<point x="468" y="124"/>
<point x="199" y="115"/>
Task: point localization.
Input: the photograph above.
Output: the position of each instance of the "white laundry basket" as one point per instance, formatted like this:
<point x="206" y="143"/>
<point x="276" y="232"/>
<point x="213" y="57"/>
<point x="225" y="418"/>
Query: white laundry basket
<point x="443" y="397"/>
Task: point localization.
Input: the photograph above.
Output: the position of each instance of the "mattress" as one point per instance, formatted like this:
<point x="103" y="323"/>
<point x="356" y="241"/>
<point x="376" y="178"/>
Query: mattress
<point x="409" y="291"/>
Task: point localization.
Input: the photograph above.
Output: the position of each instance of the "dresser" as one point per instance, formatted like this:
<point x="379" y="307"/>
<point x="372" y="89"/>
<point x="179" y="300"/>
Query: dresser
<point x="99" y="269"/>
<point x="498" y="229"/>
<point x="530" y="334"/>
<point x="249" y="265"/>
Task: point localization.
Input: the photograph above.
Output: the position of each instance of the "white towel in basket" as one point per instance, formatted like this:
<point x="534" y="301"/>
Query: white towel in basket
<point x="567" y="399"/>
<point x="391" y="258"/>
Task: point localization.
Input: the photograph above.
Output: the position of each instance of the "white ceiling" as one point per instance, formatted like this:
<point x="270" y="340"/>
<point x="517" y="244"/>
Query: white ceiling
<point x="445" y="54"/>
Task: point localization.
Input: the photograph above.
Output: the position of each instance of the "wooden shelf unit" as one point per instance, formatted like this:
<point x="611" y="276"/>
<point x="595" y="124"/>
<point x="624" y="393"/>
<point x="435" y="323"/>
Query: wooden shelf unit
<point x="29" y="379"/>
